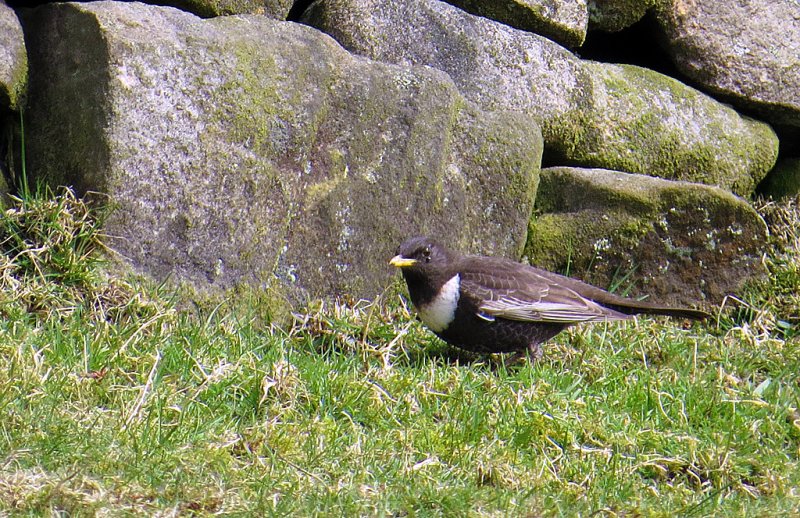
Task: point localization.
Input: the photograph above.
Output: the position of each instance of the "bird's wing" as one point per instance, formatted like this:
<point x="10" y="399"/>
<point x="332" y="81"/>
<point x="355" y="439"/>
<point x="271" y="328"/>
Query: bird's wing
<point x="509" y="290"/>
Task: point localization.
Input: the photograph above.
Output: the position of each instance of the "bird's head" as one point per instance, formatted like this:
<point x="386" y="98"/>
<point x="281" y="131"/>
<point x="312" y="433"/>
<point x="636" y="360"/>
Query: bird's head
<point x="426" y="266"/>
<point x="421" y="255"/>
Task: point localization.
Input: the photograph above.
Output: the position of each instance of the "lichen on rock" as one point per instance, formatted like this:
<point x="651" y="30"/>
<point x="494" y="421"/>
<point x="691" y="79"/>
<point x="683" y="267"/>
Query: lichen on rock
<point x="245" y="151"/>
<point x="591" y="114"/>
<point x="678" y="242"/>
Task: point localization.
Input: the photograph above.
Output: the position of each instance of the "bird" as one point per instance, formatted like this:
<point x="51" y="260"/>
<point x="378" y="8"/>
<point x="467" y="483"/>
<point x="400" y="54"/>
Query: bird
<point x="493" y="305"/>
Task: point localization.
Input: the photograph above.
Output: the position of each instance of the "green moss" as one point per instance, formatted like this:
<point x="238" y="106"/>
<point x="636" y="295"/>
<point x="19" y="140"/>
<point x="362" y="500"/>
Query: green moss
<point x="578" y="239"/>
<point x="19" y="79"/>
<point x="617" y="15"/>
<point x="527" y="16"/>
<point x="783" y="180"/>
<point x="674" y="238"/>
<point x="213" y="8"/>
<point x="267" y="304"/>
<point x="565" y="134"/>
<point x="549" y="244"/>
<point x="257" y="105"/>
<point x="337" y="173"/>
<point x="456" y="106"/>
<point x="729" y="151"/>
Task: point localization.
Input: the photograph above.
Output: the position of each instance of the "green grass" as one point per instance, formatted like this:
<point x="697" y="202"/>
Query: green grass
<point x="116" y="401"/>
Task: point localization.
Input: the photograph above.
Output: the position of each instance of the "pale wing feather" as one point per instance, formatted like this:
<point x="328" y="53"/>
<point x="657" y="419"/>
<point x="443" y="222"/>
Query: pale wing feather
<point x="525" y="295"/>
<point x="516" y="309"/>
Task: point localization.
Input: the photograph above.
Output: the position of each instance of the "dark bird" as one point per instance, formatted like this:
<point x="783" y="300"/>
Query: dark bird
<point x="495" y="305"/>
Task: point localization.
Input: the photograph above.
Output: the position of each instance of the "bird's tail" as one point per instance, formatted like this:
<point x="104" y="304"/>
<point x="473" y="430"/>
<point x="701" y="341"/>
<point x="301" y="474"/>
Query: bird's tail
<point x="624" y="305"/>
<point x="635" y="308"/>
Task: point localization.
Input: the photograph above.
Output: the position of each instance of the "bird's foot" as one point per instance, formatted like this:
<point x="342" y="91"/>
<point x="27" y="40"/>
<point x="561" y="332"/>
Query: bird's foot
<point x="533" y="353"/>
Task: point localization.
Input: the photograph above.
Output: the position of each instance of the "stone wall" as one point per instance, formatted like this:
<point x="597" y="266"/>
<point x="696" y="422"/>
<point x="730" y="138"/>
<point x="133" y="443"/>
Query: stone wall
<point x="238" y="148"/>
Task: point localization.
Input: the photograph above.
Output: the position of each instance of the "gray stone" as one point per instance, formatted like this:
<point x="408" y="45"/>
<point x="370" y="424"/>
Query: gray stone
<point x="241" y="150"/>
<point x="592" y="114"/>
<point x="13" y="59"/>
<point x="783" y="181"/>
<point x="679" y="242"/>
<point x="747" y="50"/>
<point x="615" y="15"/>
<point x="276" y="9"/>
<point x="563" y="21"/>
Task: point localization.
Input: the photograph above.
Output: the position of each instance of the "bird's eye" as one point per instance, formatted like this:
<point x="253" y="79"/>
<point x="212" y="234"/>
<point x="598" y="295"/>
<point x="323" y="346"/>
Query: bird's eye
<point x="426" y="254"/>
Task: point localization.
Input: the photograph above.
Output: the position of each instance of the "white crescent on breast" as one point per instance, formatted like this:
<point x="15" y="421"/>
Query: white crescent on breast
<point x="439" y="312"/>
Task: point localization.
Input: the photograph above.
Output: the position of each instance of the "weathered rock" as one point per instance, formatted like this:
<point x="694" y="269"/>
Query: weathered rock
<point x="679" y="242"/>
<point x="615" y="15"/>
<point x="244" y="150"/>
<point x="747" y="50"/>
<point x="783" y="181"/>
<point x="13" y="59"/>
<point x="600" y="115"/>
<point x="276" y="9"/>
<point x="563" y="21"/>
<point x="640" y="121"/>
<point x="13" y="83"/>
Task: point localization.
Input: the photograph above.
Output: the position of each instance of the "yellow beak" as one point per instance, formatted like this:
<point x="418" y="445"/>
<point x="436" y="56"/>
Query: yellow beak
<point x="402" y="262"/>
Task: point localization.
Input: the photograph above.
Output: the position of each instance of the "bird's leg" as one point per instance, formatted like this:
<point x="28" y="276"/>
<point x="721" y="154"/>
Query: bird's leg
<point x="534" y="352"/>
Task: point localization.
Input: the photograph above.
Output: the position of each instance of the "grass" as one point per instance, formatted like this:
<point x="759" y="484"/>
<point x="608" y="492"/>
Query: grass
<point x="115" y="401"/>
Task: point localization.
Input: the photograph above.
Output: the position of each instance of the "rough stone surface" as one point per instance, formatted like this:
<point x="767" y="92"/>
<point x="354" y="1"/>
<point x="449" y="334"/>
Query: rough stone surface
<point x="747" y="50"/>
<point x="680" y="242"/>
<point x="592" y="114"/>
<point x="563" y="21"/>
<point x="615" y="15"/>
<point x="275" y="9"/>
<point x="783" y="181"/>
<point x="245" y="150"/>
<point x="13" y="59"/>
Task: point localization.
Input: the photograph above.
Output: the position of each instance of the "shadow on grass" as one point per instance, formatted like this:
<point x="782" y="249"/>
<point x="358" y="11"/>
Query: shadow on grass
<point x="438" y="352"/>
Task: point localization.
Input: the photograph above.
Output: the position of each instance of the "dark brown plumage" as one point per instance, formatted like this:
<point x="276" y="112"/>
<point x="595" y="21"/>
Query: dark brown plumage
<point x="495" y="305"/>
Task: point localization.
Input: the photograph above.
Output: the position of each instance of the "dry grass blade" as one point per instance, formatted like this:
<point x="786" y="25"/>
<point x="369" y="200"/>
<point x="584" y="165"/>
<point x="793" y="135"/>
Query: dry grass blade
<point x="51" y="250"/>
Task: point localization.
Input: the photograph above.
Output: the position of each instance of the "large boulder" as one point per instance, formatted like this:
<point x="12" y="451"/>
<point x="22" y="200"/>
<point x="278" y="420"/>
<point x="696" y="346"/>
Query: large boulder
<point x="13" y="59"/>
<point x="747" y="50"/>
<point x="592" y="114"/>
<point x="563" y="21"/>
<point x="679" y="242"/>
<point x="245" y="150"/>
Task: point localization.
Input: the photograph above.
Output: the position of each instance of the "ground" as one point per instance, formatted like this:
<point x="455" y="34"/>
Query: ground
<point x="118" y="398"/>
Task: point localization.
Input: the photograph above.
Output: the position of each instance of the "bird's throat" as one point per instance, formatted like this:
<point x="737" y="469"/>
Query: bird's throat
<point x="439" y="311"/>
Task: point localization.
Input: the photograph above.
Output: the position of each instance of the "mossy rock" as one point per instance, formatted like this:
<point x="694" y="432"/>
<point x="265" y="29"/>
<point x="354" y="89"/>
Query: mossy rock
<point x="744" y="52"/>
<point x="563" y="21"/>
<point x="591" y="114"/>
<point x="13" y="60"/>
<point x="615" y="15"/>
<point x="275" y="9"/>
<point x="678" y="242"/>
<point x="245" y="151"/>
